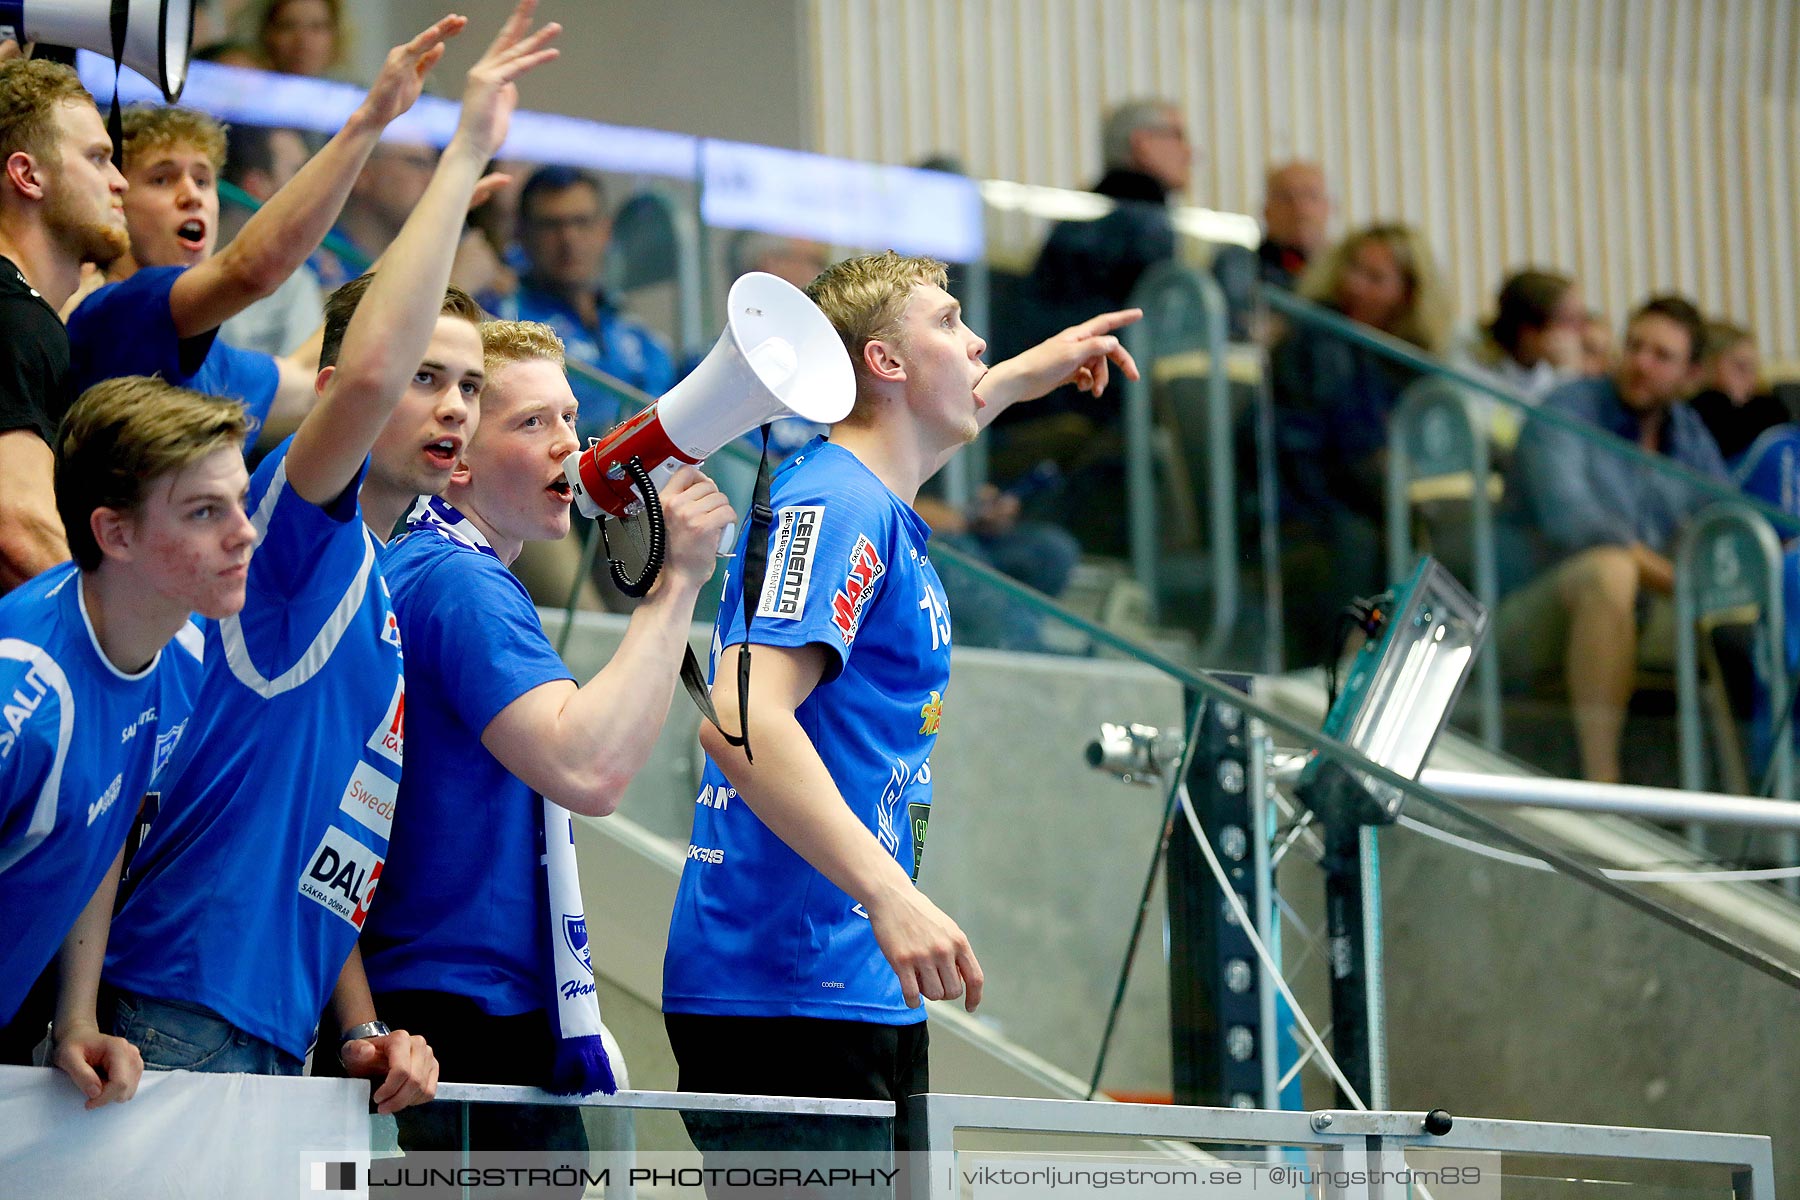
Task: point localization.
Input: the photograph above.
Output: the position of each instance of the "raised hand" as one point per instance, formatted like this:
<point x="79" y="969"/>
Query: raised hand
<point x="1079" y="354"/>
<point x="402" y="75"/>
<point x="490" y="96"/>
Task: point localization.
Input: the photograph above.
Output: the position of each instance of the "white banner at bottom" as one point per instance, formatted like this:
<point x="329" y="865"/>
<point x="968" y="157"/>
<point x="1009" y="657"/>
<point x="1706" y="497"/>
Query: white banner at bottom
<point x="184" y="1136"/>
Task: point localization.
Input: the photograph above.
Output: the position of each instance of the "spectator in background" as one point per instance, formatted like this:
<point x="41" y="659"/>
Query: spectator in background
<point x="1590" y="529"/>
<point x="1087" y="263"/>
<point x="392" y="182"/>
<point x="1599" y="353"/>
<point x="261" y="161"/>
<point x="1735" y="413"/>
<point x="61" y="205"/>
<point x="1333" y="397"/>
<point x="302" y="37"/>
<point x="1296" y="211"/>
<point x="1531" y="346"/>
<point x="565" y="230"/>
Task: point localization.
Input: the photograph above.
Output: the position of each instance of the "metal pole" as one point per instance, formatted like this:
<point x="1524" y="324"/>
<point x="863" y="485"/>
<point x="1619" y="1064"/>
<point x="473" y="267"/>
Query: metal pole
<point x="1268" y="521"/>
<point x="1261" y="790"/>
<point x="1578" y="795"/>
<point x="1487" y="581"/>
<point x="1140" y="473"/>
<point x="1221" y="473"/>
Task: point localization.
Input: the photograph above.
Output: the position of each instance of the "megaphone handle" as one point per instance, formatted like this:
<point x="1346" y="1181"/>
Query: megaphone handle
<point x="658" y="547"/>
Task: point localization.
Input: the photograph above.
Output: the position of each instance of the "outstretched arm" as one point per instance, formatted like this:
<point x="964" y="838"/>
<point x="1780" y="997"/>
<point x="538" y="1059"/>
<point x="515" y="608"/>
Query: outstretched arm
<point x="791" y="791"/>
<point x="1080" y="355"/>
<point x="580" y="747"/>
<point x="393" y="325"/>
<point x="280" y="235"/>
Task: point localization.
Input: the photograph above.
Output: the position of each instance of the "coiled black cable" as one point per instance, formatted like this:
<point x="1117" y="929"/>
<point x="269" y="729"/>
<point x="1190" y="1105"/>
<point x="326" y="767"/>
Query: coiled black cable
<point x="657" y="538"/>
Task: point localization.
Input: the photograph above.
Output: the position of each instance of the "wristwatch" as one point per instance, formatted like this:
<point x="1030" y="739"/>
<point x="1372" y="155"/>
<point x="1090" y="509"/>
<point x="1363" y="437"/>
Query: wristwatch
<point x="356" y="1033"/>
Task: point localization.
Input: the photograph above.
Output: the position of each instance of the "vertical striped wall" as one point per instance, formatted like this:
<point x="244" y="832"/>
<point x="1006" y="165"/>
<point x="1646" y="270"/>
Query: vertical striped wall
<point x="1642" y="144"/>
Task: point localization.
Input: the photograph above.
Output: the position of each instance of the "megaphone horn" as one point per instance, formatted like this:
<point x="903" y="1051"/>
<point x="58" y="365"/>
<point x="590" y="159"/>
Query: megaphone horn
<point x="778" y="357"/>
<point x="158" y="33"/>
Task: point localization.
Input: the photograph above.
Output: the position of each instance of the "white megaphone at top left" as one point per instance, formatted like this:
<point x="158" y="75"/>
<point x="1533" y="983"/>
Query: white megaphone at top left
<point x="158" y="33"/>
<point x="779" y="356"/>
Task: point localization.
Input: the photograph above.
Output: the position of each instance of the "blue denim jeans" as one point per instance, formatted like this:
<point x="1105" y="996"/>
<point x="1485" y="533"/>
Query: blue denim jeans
<point x="175" y="1036"/>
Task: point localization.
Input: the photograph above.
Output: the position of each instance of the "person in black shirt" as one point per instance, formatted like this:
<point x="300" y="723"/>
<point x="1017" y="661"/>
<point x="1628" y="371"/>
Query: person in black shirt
<point x="1736" y="414"/>
<point x="1296" y="211"/>
<point x="61" y="205"/>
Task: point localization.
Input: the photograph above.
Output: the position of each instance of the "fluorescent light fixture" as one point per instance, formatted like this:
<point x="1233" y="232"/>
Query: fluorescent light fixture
<point x="1398" y="695"/>
<point x="1065" y="204"/>
<point x="322" y="105"/>
<point x="796" y="194"/>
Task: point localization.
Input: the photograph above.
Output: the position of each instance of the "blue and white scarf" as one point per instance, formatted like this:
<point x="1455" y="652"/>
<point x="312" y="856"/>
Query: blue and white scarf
<point x="581" y="1064"/>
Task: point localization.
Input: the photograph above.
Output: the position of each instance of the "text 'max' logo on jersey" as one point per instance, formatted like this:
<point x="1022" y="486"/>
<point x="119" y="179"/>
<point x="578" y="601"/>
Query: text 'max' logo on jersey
<point x="341" y="875"/>
<point x="866" y="568"/>
<point x="389" y="738"/>
<point x="790" y="562"/>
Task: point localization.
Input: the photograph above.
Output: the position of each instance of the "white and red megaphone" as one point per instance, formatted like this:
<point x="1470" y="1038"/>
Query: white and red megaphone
<point x="156" y="33"/>
<point x="778" y="357"/>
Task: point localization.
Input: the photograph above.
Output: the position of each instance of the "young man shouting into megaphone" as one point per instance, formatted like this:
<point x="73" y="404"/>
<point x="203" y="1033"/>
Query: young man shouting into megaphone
<point x="800" y="947"/>
<point x="474" y="943"/>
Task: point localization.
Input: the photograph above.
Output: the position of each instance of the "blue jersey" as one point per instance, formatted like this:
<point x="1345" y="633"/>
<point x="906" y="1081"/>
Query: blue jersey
<point x="254" y="880"/>
<point x="79" y="742"/>
<point x="756" y="930"/>
<point x="463" y="908"/>
<point x="128" y="329"/>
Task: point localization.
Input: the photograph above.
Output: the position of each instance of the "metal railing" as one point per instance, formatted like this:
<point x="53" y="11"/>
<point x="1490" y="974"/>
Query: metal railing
<point x="1186" y="321"/>
<point x="1364" y="1151"/>
<point x="1435" y="434"/>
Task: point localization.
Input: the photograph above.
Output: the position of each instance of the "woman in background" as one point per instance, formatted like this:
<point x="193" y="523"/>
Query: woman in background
<point x="1333" y="397"/>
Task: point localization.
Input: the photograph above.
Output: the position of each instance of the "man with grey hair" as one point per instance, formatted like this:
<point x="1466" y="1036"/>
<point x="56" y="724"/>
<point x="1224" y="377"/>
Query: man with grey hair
<point x="1147" y="159"/>
<point x="1296" y="211"/>
<point x="1089" y="265"/>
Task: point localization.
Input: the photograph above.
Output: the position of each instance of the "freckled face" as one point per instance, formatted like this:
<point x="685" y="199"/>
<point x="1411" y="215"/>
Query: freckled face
<point x="190" y="538"/>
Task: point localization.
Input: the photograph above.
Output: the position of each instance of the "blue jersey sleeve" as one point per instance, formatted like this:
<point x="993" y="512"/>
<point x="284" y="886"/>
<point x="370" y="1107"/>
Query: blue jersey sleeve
<point x="128" y="329"/>
<point x="303" y="546"/>
<point x="827" y="562"/>
<point x="471" y="632"/>
<point x="249" y="376"/>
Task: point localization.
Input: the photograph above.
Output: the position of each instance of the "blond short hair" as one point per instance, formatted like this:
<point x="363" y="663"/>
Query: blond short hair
<point x="1426" y="320"/>
<point x="505" y="342"/>
<point x="152" y="127"/>
<point x="30" y="90"/>
<point x="865" y="297"/>
<point x="124" y="433"/>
